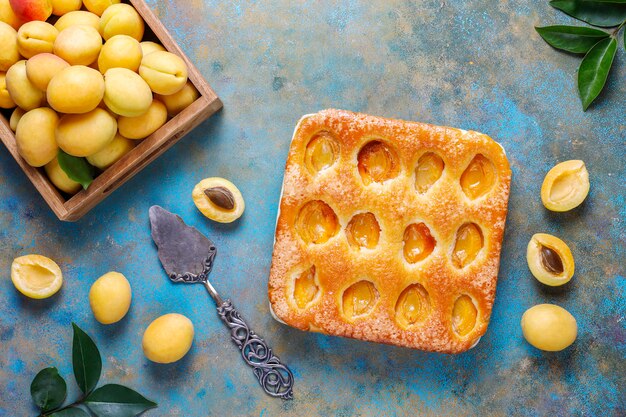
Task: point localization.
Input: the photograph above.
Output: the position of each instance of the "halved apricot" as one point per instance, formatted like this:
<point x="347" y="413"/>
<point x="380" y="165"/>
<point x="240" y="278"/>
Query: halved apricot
<point x="418" y="242"/>
<point x="317" y="222"/>
<point x="305" y="288"/>
<point x="464" y="315"/>
<point x="469" y="241"/>
<point x="321" y="152"/>
<point x="428" y="171"/>
<point x="378" y="162"/>
<point x="359" y="299"/>
<point x="363" y="231"/>
<point x="479" y="177"/>
<point x="413" y="305"/>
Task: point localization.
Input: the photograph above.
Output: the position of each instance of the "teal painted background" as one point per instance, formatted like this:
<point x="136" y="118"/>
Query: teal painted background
<point x="470" y="64"/>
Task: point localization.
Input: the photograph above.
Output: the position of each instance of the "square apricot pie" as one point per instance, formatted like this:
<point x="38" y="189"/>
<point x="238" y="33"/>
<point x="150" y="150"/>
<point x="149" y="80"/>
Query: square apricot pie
<point x="389" y="231"/>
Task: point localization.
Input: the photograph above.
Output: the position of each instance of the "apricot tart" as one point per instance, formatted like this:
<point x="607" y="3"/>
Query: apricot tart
<point x="389" y="231"/>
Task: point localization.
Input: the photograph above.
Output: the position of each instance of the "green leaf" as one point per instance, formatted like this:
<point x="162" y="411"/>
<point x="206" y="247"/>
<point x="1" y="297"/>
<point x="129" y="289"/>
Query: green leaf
<point x="578" y="40"/>
<point x="78" y="169"/>
<point x="597" y="13"/>
<point x="114" y="400"/>
<point x="86" y="360"/>
<point x="594" y="70"/>
<point x="48" y="389"/>
<point x="71" y="412"/>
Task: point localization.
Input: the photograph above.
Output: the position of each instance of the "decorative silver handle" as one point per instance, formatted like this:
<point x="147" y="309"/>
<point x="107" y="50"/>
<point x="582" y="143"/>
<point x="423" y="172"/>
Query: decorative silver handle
<point x="275" y="378"/>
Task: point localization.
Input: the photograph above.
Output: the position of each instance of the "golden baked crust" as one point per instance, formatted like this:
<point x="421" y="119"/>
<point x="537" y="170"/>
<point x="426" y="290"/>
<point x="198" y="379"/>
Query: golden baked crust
<point x="395" y="203"/>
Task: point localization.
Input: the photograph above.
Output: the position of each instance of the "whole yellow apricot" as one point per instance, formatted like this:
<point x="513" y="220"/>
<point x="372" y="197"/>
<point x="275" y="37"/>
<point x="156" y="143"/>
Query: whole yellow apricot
<point x="35" y="136"/>
<point x="61" y="7"/>
<point x="139" y="127"/>
<point x="35" y="38"/>
<point x="164" y="72"/>
<point x="111" y="153"/>
<point x="32" y="9"/>
<point x="8" y="16"/>
<point x="549" y="327"/>
<point x="120" y="51"/>
<point x="41" y="68"/>
<point x="22" y="91"/>
<point x="59" y="178"/>
<point x="148" y="47"/>
<point x="168" y="338"/>
<point x="79" y="17"/>
<point x="9" y="53"/>
<point x="87" y="133"/>
<point x="177" y="102"/>
<point x="6" y="102"/>
<point x="121" y="19"/>
<point x="16" y="116"/>
<point x="126" y="93"/>
<point x="109" y="297"/>
<point x="78" y="45"/>
<point x="99" y="6"/>
<point x="76" y="89"/>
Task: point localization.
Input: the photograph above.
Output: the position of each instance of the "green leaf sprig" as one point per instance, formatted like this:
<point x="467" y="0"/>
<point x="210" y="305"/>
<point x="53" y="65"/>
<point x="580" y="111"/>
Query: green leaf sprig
<point x="598" y="46"/>
<point x="77" y="169"/>
<point x="48" y="389"/>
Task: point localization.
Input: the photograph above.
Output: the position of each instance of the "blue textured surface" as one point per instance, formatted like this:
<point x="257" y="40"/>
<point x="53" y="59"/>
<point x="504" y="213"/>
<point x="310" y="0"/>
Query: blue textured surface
<point x="475" y="65"/>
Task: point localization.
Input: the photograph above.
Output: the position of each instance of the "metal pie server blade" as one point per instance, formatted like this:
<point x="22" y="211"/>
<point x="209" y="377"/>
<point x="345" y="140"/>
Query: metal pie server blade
<point x="187" y="256"/>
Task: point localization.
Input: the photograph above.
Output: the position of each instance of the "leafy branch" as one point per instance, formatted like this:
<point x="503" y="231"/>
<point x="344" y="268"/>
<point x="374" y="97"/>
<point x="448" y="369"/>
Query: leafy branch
<point x="49" y="389"/>
<point x="598" y="46"/>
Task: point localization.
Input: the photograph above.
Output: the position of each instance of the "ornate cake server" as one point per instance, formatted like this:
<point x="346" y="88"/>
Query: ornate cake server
<point x="187" y="256"/>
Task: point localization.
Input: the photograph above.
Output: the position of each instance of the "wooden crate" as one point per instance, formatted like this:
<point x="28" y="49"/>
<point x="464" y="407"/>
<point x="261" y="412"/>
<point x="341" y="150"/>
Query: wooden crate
<point x="145" y="152"/>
